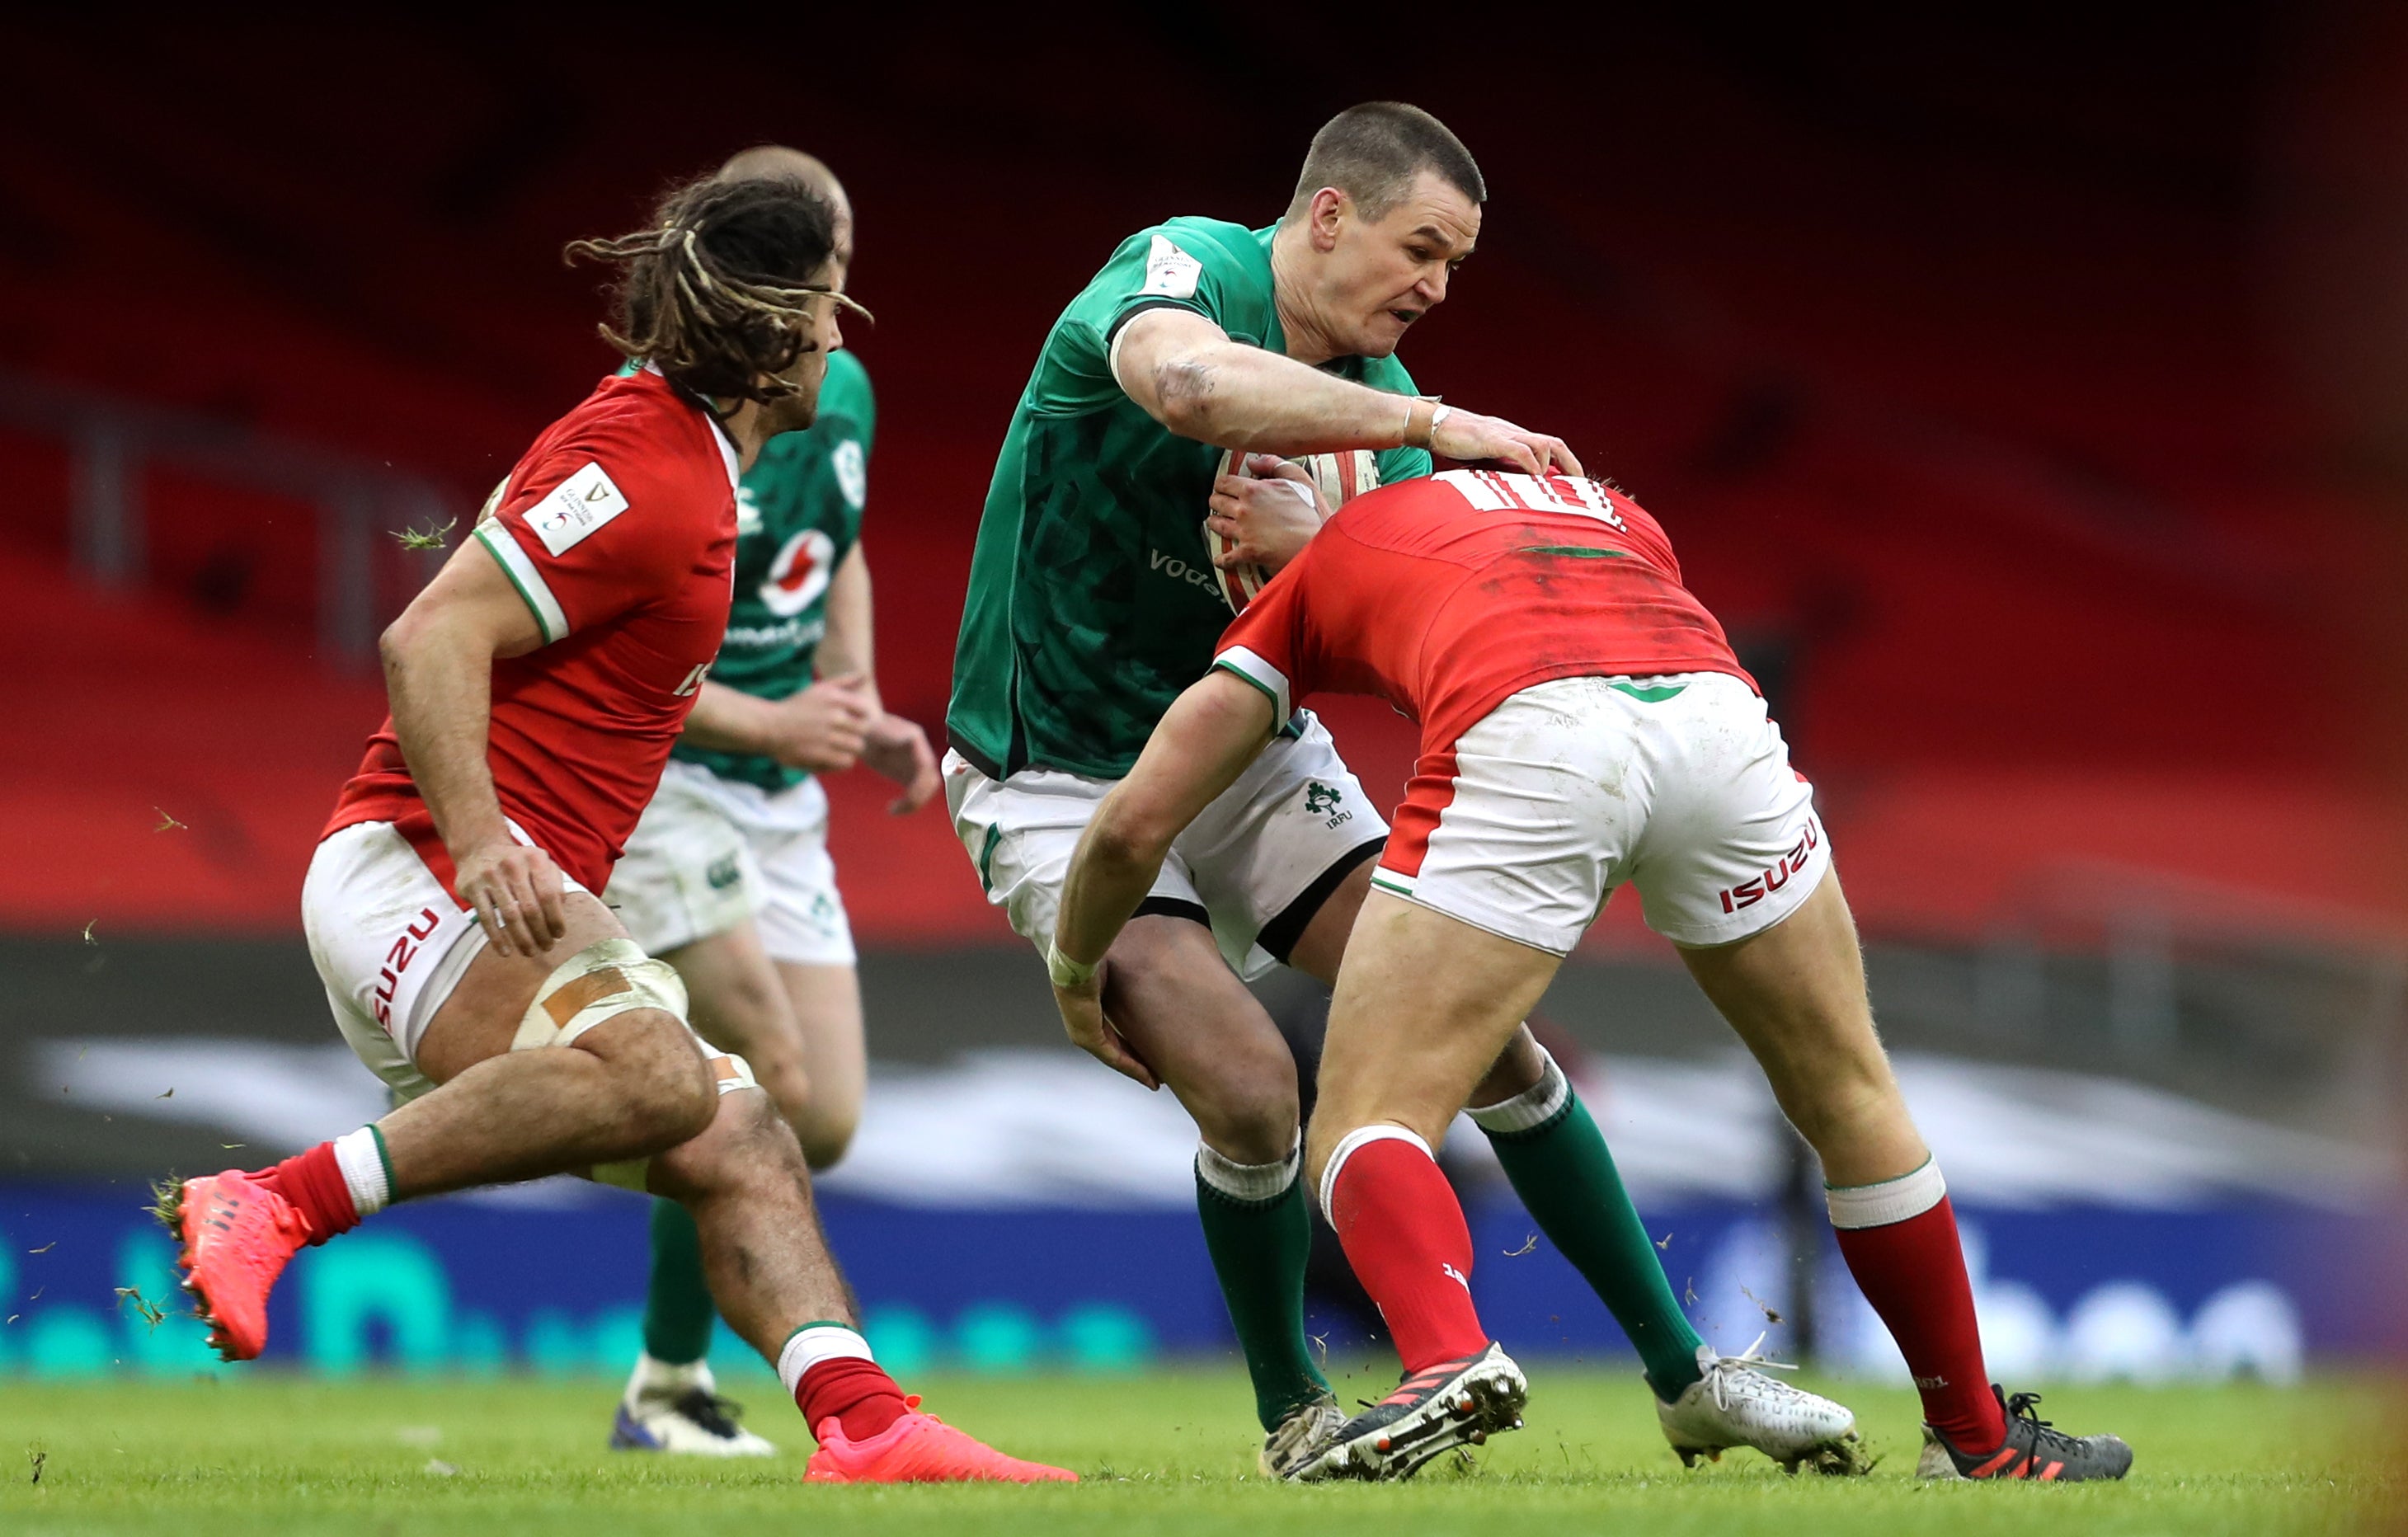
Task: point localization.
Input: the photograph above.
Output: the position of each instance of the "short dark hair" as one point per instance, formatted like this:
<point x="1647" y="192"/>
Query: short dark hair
<point x="714" y="294"/>
<point x="1373" y="152"/>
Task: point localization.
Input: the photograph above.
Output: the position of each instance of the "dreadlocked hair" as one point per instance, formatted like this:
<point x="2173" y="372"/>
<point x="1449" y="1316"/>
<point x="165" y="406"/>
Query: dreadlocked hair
<point x="714" y="294"/>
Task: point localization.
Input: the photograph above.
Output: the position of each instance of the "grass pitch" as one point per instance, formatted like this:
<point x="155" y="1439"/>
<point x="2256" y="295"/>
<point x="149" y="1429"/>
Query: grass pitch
<point x="1169" y="1452"/>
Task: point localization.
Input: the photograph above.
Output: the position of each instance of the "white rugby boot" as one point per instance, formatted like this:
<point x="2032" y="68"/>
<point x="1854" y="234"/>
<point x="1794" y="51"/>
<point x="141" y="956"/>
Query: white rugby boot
<point x="1736" y="1405"/>
<point x="1298" y="1441"/>
<point x="677" y="1410"/>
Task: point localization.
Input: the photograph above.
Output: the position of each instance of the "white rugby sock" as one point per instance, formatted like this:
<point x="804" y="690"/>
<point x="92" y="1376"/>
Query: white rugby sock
<point x="1532" y="1108"/>
<point x="1910" y="1195"/>
<point x="1250" y="1182"/>
<point x="812" y="1343"/>
<point x="360" y="1154"/>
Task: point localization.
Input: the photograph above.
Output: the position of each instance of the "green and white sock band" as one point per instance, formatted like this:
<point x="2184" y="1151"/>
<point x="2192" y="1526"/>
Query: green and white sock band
<point x="812" y="1343"/>
<point x="1250" y="1182"/>
<point x="1531" y="1109"/>
<point x="1363" y="1136"/>
<point x="1855" y="1206"/>
<point x="367" y="1174"/>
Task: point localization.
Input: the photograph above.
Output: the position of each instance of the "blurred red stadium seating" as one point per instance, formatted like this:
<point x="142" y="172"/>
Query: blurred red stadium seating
<point x="1987" y="470"/>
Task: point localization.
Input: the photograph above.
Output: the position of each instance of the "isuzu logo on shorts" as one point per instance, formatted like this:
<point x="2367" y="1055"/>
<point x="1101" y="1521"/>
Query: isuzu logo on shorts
<point x="1756" y="888"/>
<point x="396" y="961"/>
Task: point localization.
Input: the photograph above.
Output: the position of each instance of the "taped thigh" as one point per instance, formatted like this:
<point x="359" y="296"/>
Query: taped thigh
<point x="601" y="982"/>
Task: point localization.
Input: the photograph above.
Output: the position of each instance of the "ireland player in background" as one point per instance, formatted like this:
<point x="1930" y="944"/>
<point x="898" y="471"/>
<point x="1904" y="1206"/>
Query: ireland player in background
<point x="728" y="877"/>
<point x="1092" y="604"/>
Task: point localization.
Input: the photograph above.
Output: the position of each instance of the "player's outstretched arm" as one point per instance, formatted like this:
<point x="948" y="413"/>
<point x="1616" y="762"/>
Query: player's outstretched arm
<point x="1203" y="742"/>
<point x="438" y="671"/>
<point x="1190" y="376"/>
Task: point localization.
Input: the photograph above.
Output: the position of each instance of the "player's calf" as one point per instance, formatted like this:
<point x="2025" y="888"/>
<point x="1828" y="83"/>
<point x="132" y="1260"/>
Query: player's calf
<point x="778" y="1286"/>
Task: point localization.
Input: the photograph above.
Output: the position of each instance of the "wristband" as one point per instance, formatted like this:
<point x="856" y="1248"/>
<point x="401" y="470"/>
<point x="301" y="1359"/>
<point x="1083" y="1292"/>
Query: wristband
<point x="1430" y="437"/>
<point x="1066" y="972"/>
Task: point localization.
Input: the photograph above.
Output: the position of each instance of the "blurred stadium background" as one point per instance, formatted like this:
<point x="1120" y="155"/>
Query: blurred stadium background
<point x="2030" y="399"/>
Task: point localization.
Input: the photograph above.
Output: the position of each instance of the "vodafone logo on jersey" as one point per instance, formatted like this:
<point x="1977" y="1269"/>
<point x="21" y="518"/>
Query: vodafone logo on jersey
<point x="799" y="574"/>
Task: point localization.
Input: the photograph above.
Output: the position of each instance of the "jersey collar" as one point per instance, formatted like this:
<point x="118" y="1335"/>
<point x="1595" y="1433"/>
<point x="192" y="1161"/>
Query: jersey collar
<point x="728" y="455"/>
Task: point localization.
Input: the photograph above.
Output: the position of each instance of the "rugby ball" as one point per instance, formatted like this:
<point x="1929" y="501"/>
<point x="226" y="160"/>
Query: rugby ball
<point x="1339" y="477"/>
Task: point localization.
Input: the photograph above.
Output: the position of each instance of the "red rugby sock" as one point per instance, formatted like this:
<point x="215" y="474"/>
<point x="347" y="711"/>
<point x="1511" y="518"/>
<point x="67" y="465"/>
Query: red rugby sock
<point x="1403" y="1232"/>
<point x="313" y="1183"/>
<point x="857" y="1394"/>
<point x="1913" y="1272"/>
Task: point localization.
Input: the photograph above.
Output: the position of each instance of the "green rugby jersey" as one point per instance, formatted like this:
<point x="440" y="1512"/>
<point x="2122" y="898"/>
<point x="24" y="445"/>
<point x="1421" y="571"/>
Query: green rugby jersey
<point x="797" y="516"/>
<point x="1092" y="601"/>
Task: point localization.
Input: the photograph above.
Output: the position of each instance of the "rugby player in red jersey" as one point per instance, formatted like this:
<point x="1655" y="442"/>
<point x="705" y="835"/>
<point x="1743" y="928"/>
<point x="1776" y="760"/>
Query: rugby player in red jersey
<point x="1583" y="724"/>
<point x="537" y="685"/>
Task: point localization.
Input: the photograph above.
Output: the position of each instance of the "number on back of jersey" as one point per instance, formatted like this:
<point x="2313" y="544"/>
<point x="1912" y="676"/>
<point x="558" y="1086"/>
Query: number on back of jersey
<point x="1503" y="491"/>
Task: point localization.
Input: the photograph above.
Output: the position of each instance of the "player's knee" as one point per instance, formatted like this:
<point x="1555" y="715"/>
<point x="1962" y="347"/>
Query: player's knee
<point x="745" y="1143"/>
<point x="1842" y="1102"/>
<point x="752" y="1010"/>
<point x="826" y="1132"/>
<point x="760" y="1149"/>
<point x="1244" y="1099"/>
<point x="789" y="1084"/>
<point x="664" y="1089"/>
<point x="1249" y="1113"/>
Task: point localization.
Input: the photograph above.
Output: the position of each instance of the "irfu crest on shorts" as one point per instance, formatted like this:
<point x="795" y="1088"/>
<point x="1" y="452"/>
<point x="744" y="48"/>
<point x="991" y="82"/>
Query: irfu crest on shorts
<point x="1320" y="798"/>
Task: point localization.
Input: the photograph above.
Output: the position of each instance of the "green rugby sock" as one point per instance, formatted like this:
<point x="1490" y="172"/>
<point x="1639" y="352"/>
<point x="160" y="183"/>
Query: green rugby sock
<point x="678" y="1310"/>
<point x="1559" y="1165"/>
<point x="1259" y="1232"/>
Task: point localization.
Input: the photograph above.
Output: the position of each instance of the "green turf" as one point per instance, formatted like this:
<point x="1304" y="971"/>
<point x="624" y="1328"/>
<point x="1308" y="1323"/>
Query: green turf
<point x="1167" y="1452"/>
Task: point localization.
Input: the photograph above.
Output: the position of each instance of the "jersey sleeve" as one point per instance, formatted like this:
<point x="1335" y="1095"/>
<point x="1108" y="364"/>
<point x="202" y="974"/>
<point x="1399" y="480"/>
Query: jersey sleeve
<point x="586" y="536"/>
<point x="1273" y="644"/>
<point x="1166" y="268"/>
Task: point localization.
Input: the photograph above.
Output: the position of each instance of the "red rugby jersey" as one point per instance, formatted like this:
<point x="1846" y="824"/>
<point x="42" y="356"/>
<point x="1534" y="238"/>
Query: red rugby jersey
<point x="1444" y="594"/>
<point x="617" y="527"/>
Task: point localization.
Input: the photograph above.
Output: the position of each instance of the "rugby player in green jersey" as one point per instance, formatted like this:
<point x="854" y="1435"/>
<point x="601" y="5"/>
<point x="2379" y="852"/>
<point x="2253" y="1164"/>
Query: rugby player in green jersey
<point x="1093" y="603"/>
<point x="728" y="877"/>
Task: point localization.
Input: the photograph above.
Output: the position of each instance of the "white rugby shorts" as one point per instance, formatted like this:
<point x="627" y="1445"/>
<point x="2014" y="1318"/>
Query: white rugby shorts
<point x="710" y="852"/>
<point x="1264" y="855"/>
<point x="390" y="944"/>
<point x="1680" y="784"/>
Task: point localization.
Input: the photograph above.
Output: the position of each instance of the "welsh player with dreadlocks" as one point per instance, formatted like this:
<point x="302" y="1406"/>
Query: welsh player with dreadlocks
<point x="728" y="877"/>
<point x="537" y="685"/>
